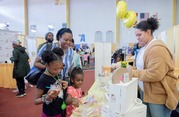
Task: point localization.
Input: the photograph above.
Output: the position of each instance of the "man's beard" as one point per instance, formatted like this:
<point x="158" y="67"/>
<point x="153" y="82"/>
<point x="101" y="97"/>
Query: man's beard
<point x="49" y="40"/>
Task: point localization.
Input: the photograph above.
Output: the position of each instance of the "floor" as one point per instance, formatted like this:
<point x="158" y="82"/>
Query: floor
<point x="89" y="65"/>
<point x="10" y="106"/>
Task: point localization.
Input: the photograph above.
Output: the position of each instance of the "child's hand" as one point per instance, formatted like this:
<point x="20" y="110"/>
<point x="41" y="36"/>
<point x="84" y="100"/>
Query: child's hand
<point x="52" y="94"/>
<point x="84" y="93"/>
<point x="112" y="69"/>
<point x="133" y="67"/>
<point x="76" y="102"/>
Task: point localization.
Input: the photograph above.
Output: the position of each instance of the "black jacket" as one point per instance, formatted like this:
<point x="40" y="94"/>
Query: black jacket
<point x="21" y="64"/>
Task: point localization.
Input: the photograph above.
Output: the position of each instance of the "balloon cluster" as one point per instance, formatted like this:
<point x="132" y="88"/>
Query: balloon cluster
<point x="128" y="16"/>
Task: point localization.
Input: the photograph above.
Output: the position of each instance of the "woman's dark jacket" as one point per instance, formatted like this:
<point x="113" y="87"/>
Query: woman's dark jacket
<point x="21" y="64"/>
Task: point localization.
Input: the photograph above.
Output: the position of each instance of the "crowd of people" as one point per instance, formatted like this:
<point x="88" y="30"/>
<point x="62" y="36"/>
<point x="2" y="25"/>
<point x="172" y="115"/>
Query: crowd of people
<point x="63" y="73"/>
<point x="59" y="87"/>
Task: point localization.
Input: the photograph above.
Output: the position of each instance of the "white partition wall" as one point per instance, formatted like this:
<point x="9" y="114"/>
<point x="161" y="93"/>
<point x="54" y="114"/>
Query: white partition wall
<point x="176" y="36"/>
<point x="172" y="41"/>
<point x="177" y="12"/>
<point x="167" y="37"/>
<point x="102" y="56"/>
<point x="31" y="48"/>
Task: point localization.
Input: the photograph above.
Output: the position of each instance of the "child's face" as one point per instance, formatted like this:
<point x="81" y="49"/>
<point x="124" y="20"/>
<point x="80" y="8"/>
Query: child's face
<point x="118" y="59"/>
<point x="78" y="80"/>
<point x="55" y="67"/>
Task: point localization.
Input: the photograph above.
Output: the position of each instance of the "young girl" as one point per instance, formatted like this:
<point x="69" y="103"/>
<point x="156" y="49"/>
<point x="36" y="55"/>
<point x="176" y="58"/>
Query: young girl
<point x="49" y="91"/>
<point x="86" y="55"/>
<point x="117" y="58"/>
<point x="74" y="92"/>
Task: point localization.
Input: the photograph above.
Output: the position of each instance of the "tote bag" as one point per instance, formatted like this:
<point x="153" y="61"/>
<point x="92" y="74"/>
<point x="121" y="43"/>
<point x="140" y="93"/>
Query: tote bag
<point x="33" y="76"/>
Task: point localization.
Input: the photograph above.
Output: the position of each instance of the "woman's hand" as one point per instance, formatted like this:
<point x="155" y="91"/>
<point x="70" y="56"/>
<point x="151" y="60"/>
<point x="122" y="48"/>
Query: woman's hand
<point x="64" y="84"/>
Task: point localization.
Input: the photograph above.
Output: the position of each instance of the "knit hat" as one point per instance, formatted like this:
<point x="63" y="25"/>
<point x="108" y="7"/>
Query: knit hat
<point x="16" y="42"/>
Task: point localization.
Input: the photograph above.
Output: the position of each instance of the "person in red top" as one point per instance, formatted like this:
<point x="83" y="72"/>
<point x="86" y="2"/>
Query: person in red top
<point x="86" y="55"/>
<point x="74" y="92"/>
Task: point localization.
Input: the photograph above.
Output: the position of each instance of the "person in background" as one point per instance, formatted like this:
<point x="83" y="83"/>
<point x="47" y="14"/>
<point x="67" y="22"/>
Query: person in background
<point x="21" y="66"/>
<point x="50" y="88"/>
<point x="49" y="40"/>
<point x="81" y="51"/>
<point x="64" y="37"/>
<point x="74" y="92"/>
<point x="86" y="55"/>
<point x="76" y="57"/>
<point x="117" y="58"/>
<point x="93" y="55"/>
<point x="135" y="51"/>
<point x="155" y="71"/>
<point x="88" y="50"/>
<point x="135" y="48"/>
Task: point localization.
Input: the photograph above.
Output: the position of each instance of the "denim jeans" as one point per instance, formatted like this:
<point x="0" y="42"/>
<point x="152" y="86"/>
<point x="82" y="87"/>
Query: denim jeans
<point x="156" y="110"/>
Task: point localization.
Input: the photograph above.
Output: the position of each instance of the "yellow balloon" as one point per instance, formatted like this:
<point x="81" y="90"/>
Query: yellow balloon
<point x="121" y="3"/>
<point x="121" y="9"/>
<point x="130" y="19"/>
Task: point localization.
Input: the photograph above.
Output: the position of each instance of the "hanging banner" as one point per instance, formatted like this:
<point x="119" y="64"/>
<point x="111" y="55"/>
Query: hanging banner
<point x="82" y="39"/>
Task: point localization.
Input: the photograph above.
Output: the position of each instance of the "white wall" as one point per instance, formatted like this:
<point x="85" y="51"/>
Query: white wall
<point x="177" y="21"/>
<point x="86" y="16"/>
<point x="12" y="11"/>
<point x="44" y="12"/>
<point x="89" y="16"/>
<point x="162" y="7"/>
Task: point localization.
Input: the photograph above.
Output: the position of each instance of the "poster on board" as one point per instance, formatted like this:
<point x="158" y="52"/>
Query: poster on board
<point x="6" y="39"/>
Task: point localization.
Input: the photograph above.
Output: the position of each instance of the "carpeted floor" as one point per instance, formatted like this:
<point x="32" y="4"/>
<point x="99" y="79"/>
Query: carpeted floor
<point x="10" y="106"/>
<point x="89" y="66"/>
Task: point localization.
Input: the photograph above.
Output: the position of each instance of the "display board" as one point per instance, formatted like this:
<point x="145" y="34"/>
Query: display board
<point x="6" y="39"/>
<point x="31" y="48"/>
